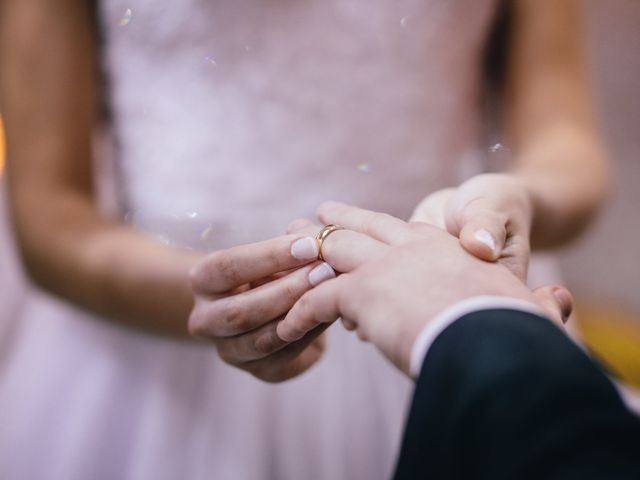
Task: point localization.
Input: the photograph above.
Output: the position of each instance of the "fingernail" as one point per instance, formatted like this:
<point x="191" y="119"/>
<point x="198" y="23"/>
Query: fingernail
<point x="485" y="237"/>
<point x="321" y="273"/>
<point x="304" y="249"/>
<point x="565" y="303"/>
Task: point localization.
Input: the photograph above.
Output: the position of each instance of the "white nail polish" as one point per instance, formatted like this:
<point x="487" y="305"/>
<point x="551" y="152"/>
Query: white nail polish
<point x="304" y="249"/>
<point x="485" y="237"/>
<point x="321" y="273"/>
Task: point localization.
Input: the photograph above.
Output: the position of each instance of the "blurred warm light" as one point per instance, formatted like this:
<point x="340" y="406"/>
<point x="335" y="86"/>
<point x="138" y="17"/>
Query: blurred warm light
<point x="1" y="147"/>
<point x="613" y="334"/>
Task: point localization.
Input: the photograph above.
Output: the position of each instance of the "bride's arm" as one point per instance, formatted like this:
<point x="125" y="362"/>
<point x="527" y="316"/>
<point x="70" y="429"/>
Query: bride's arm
<point x="560" y="175"/>
<point x="550" y="121"/>
<point x="48" y="98"/>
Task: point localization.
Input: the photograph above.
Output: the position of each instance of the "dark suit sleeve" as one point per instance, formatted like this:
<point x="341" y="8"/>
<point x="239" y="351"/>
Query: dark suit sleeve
<point x="506" y="395"/>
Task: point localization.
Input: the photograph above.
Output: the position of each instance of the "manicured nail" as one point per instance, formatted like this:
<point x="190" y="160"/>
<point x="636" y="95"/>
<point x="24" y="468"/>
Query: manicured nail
<point x="485" y="237"/>
<point x="305" y="249"/>
<point x="320" y="274"/>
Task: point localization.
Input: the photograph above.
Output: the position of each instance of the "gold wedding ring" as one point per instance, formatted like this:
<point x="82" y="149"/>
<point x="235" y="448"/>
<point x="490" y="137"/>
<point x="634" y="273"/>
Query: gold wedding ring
<point x="323" y="234"/>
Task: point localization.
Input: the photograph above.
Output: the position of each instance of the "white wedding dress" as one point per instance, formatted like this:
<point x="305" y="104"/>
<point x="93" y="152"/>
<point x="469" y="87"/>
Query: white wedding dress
<point x="230" y="118"/>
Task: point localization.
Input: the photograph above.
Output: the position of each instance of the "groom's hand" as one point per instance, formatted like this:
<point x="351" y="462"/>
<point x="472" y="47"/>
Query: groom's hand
<point x="240" y="295"/>
<point x="396" y="277"/>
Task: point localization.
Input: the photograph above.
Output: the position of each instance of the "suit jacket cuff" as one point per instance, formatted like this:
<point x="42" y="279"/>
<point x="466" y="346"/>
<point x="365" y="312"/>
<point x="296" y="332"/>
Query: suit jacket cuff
<point x="445" y="318"/>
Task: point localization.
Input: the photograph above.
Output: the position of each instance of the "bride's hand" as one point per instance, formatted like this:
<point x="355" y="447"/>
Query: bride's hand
<point x="490" y="214"/>
<point x="241" y="294"/>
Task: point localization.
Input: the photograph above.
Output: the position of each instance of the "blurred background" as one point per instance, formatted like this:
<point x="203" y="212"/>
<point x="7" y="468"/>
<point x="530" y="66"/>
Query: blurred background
<point x="603" y="268"/>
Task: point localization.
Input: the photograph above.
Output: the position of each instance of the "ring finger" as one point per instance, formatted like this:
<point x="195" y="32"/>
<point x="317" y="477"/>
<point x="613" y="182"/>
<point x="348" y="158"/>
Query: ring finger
<point x="345" y="250"/>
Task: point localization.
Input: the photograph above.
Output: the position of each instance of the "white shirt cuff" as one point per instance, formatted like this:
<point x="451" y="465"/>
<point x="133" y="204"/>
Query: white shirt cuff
<point x="445" y="318"/>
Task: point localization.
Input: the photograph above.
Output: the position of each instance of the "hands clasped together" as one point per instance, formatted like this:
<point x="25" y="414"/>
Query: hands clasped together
<point x="266" y="305"/>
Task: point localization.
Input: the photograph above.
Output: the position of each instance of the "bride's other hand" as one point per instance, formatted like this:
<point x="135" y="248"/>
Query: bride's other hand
<point x="491" y="215"/>
<point x="241" y="293"/>
<point x="559" y="174"/>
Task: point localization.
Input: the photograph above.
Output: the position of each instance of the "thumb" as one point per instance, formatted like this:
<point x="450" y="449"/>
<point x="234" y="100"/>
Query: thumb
<point x="432" y="209"/>
<point x="481" y="230"/>
<point x="557" y="302"/>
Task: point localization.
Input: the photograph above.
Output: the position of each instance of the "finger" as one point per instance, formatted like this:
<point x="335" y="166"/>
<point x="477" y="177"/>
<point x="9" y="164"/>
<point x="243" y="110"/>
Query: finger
<point x="303" y="226"/>
<point x="349" y="324"/>
<point x="292" y="360"/>
<point x="268" y="279"/>
<point x="382" y="227"/>
<point x="316" y="307"/>
<point x="344" y="250"/>
<point x="556" y="300"/>
<point x="251" y="346"/>
<point x="432" y="209"/>
<point x="482" y="231"/>
<point x="516" y="254"/>
<point x="298" y="227"/>
<point x="225" y="269"/>
<point x="247" y="311"/>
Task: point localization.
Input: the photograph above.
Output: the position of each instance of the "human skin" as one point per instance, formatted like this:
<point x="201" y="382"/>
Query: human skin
<point x="49" y="102"/>
<point x="242" y="292"/>
<point x="49" y="98"/>
<point x="558" y="174"/>
<point x="396" y="277"/>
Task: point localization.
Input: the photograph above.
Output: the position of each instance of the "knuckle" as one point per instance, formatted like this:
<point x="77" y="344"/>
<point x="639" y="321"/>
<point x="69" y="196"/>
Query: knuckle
<point x="196" y="325"/>
<point x="194" y="277"/>
<point x="234" y="315"/>
<point x="267" y="343"/>
<point x="204" y="275"/>
<point x="205" y="320"/>
<point x="228" y="353"/>
<point x="291" y="291"/>
<point x="226" y="269"/>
